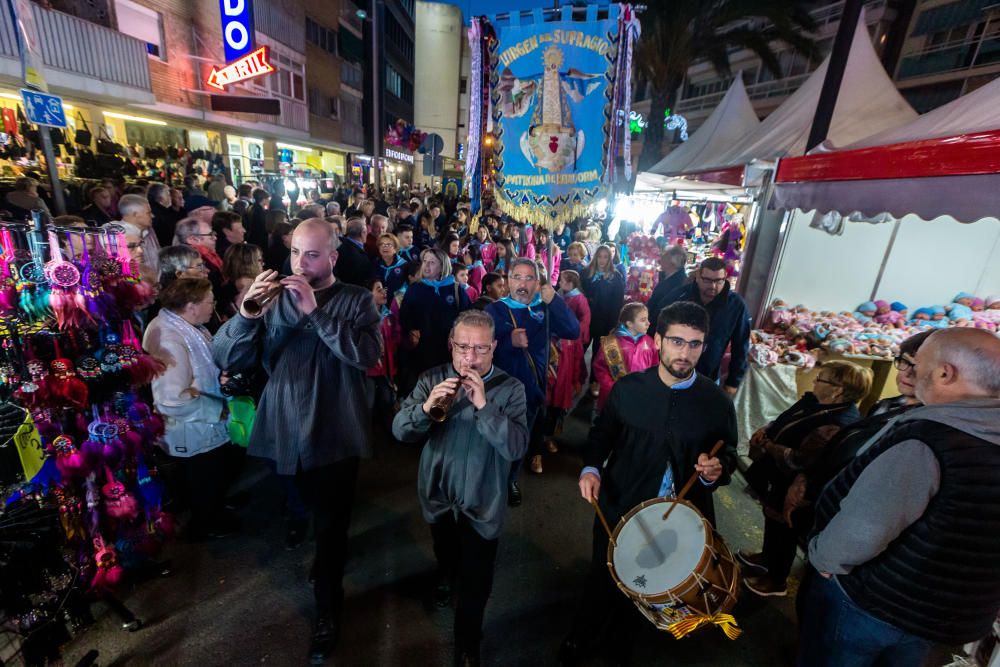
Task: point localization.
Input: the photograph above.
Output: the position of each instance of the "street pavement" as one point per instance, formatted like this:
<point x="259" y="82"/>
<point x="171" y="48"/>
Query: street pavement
<point x="245" y="600"/>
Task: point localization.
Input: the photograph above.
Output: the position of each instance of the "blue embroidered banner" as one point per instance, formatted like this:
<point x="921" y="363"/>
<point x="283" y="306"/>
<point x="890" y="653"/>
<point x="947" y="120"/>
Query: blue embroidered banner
<point x="551" y="91"/>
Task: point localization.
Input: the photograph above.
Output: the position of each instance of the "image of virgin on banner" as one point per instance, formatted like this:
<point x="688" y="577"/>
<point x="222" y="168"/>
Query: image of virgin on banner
<point x="551" y="93"/>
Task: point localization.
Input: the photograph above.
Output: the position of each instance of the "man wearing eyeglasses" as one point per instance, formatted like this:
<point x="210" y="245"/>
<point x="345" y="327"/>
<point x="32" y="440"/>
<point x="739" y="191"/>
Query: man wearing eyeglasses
<point x="462" y="481"/>
<point x="729" y="318"/>
<point x="655" y="431"/>
<point x="525" y="322"/>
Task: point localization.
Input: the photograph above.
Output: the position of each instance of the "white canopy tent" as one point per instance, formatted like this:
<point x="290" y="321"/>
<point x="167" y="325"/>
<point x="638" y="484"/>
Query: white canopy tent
<point x="731" y="120"/>
<point x="868" y="103"/>
<point x="974" y="112"/>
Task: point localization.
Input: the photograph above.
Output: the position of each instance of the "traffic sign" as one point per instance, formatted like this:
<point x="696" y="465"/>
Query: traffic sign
<point x="43" y="109"/>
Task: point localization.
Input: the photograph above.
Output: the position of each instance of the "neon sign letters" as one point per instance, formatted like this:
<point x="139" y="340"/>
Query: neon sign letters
<point x="247" y="67"/>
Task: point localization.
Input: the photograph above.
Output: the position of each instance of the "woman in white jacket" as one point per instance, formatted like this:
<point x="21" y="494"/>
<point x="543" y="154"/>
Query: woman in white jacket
<point x="188" y="397"/>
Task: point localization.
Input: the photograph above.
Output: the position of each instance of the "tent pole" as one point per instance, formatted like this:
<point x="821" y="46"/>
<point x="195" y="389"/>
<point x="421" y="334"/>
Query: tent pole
<point x="834" y="73"/>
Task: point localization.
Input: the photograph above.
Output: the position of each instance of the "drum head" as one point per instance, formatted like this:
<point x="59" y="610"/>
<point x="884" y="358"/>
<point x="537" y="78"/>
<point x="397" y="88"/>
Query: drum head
<point x="653" y="556"/>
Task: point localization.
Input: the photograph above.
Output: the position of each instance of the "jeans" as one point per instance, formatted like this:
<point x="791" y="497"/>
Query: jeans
<point x="468" y="559"/>
<point x="835" y="632"/>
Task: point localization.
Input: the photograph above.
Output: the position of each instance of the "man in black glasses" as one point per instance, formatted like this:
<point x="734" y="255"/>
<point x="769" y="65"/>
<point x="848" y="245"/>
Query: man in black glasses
<point x="655" y="432"/>
<point x="464" y="466"/>
<point x="730" y="322"/>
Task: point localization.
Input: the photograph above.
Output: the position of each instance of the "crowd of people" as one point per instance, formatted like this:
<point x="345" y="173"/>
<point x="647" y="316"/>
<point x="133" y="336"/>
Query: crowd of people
<point x="470" y="334"/>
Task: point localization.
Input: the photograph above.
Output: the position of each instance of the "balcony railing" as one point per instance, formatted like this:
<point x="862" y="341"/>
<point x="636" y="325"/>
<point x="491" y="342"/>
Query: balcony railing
<point x="950" y="57"/>
<point x="294" y="116"/>
<point x="81" y="48"/>
<point x="758" y="91"/>
<point x="352" y="133"/>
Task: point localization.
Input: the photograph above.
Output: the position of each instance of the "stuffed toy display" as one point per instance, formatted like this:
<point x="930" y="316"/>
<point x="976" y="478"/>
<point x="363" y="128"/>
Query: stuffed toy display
<point x="874" y="329"/>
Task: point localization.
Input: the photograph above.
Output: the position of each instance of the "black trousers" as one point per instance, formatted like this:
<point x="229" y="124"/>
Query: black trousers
<point x="468" y="559"/>
<point x="330" y="491"/>
<point x="780" y="539"/>
<point x="604" y="608"/>
<point x="207" y="478"/>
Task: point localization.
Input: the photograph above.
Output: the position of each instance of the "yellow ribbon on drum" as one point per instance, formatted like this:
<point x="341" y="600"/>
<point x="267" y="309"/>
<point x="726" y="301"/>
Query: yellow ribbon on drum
<point x="686" y="626"/>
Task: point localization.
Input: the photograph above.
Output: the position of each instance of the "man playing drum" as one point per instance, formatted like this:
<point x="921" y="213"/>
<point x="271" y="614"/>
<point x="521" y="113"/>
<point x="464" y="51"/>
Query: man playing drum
<point x="655" y="430"/>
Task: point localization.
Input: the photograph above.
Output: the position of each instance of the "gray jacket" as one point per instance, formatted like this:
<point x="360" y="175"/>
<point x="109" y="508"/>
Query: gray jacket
<point x="895" y="489"/>
<point x="314" y="409"/>
<point x="465" y="463"/>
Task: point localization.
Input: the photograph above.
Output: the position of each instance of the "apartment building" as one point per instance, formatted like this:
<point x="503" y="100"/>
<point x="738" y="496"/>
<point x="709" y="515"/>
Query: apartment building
<point x="952" y="47"/>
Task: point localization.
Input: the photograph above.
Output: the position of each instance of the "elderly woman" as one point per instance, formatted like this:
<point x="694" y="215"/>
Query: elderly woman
<point x="188" y="396"/>
<point x="180" y="261"/>
<point x="794" y="444"/>
<point x="427" y="313"/>
<point x="24" y="198"/>
<point x="388" y="266"/>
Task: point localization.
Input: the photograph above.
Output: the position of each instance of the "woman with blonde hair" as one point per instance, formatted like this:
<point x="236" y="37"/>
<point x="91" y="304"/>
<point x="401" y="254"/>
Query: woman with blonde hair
<point x="242" y="263"/>
<point x="795" y="443"/>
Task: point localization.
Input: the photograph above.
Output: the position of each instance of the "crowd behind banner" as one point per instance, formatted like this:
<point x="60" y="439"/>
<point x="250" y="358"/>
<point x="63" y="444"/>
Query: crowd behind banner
<point x="394" y="292"/>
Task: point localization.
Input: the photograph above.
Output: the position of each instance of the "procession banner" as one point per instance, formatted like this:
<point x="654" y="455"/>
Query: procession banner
<point x="551" y="93"/>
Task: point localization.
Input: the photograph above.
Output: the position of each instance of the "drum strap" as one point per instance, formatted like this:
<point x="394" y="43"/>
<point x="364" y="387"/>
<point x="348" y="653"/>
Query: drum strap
<point x="612" y="350"/>
<point x="688" y="625"/>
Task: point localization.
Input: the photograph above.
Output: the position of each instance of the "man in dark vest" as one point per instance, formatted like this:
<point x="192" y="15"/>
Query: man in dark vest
<point x="906" y="547"/>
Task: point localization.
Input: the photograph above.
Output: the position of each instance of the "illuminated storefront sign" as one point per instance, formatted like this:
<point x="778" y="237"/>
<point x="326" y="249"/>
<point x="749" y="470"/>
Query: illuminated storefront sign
<point x="247" y="67"/>
<point x="237" y="28"/>
<point x="397" y="155"/>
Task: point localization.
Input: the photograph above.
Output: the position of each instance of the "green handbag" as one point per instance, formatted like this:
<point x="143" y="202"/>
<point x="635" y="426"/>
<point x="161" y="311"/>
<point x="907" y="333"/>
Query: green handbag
<point x="242" y="412"/>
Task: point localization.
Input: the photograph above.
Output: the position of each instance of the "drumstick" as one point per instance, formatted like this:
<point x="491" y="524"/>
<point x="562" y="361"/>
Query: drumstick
<point x="604" y="522"/>
<point x="690" y="482"/>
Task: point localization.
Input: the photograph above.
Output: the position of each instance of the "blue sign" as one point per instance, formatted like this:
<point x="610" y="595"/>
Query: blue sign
<point x="43" y="109"/>
<point x="237" y="28"/>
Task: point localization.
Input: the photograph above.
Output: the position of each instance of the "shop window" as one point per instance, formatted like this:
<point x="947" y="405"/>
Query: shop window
<point x="393" y="82"/>
<point x="321" y="36"/>
<point x="142" y="23"/>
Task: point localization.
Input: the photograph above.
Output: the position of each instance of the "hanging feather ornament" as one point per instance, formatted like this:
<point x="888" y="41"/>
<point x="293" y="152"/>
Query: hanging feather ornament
<point x="8" y="285"/>
<point x="142" y="368"/>
<point x="65" y="298"/>
<point x="118" y="502"/>
<point x="67" y="389"/>
<point x="69" y="460"/>
<point x="108" y="572"/>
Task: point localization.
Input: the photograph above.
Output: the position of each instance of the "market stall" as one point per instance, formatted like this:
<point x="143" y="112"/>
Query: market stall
<point x="913" y="223"/>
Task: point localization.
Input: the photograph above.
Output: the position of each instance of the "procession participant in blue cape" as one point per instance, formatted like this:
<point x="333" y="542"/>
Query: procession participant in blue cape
<point x="525" y="323"/>
<point x="408" y="251"/>
<point x="427" y="313"/>
<point x="657" y="428"/>
<point x="389" y="266"/>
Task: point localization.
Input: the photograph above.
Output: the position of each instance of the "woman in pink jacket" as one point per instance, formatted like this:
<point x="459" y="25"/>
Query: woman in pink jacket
<point x="626" y="350"/>
<point x="541" y="248"/>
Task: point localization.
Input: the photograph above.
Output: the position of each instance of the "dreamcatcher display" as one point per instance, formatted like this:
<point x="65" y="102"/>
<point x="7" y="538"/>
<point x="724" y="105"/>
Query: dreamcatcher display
<point x="71" y="368"/>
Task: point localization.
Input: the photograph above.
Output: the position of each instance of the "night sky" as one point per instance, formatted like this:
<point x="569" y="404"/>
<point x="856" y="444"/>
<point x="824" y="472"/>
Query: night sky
<point x="480" y="7"/>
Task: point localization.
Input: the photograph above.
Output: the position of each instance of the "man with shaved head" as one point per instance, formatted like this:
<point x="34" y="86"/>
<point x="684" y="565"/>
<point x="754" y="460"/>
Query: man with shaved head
<point x="905" y="552"/>
<point x="315" y="336"/>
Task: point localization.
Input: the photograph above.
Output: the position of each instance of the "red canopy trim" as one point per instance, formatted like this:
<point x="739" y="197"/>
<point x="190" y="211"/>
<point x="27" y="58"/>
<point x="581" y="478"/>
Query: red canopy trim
<point x="962" y="155"/>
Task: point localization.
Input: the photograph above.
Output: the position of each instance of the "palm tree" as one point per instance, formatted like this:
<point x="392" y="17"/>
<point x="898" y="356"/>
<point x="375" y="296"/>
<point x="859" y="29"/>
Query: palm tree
<point x="677" y="33"/>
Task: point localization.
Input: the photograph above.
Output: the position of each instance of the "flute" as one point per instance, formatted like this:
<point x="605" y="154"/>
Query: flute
<point x="439" y="408"/>
<point x="255" y="305"/>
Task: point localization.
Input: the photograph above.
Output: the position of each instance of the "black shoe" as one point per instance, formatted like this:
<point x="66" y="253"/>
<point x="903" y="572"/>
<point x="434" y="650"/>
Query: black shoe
<point x="466" y="658"/>
<point x="569" y="653"/>
<point x="224" y="526"/>
<point x="324" y="640"/>
<point x="295" y="534"/>
<point x="442" y="592"/>
<point x="752" y="561"/>
<point x="513" y="494"/>
<point x="238" y="500"/>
